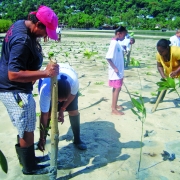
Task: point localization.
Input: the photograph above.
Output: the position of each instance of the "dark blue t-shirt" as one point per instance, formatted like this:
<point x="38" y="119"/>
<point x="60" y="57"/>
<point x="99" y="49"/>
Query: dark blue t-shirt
<point x="20" y="51"/>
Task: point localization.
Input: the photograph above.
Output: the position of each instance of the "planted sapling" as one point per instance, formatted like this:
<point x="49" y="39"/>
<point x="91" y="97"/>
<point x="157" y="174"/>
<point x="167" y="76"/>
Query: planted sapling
<point x="140" y="112"/>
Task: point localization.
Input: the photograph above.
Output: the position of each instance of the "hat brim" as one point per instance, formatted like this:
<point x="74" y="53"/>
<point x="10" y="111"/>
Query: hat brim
<point x="52" y="34"/>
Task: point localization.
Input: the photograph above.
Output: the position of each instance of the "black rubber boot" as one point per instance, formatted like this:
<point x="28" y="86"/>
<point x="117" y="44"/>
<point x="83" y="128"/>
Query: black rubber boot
<point x="39" y="159"/>
<point x="75" y="125"/>
<point x="27" y="159"/>
<point x="153" y="101"/>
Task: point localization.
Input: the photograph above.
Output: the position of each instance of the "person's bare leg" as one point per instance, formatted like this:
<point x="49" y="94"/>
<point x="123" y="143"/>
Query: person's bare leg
<point x="27" y="140"/>
<point x="119" y="107"/>
<point x="115" y="95"/>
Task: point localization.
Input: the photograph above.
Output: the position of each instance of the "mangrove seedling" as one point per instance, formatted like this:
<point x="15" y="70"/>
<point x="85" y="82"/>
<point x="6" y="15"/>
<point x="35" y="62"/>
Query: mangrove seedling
<point x="169" y="84"/>
<point x="99" y="83"/>
<point x="50" y="54"/>
<point x="134" y="62"/>
<point x="88" y="54"/>
<point x="140" y="112"/>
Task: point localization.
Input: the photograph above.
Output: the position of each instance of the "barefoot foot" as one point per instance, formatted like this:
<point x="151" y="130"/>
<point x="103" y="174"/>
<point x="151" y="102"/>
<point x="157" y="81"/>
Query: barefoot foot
<point x="119" y="107"/>
<point x="116" y="112"/>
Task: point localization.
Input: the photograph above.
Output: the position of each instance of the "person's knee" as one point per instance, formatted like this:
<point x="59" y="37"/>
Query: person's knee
<point x="73" y="113"/>
<point x="27" y="140"/>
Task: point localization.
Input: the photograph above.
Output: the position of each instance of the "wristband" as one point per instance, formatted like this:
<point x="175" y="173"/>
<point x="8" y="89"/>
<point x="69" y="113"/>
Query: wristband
<point x="63" y="108"/>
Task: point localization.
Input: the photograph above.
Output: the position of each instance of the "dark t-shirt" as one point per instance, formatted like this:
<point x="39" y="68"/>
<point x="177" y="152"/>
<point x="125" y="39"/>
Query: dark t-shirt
<point x="20" y="51"/>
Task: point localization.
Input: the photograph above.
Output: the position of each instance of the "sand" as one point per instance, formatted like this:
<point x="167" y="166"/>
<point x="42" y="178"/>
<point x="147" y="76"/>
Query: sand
<point x="113" y="141"/>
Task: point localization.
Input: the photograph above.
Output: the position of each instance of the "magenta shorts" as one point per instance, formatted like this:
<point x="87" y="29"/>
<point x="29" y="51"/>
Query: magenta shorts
<point x="116" y="83"/>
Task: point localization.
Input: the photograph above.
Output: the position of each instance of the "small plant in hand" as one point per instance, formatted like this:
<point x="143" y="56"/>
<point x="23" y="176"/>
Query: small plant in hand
<point x="169" y="84"/>
<point x="44" y="131"/>
<point x="50" y="54"/>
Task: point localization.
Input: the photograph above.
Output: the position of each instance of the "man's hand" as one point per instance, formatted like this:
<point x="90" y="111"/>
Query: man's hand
<point x="41" y="144"/>
<point x="52" y="70"/>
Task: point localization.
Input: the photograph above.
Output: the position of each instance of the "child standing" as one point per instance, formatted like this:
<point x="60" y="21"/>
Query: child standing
<point x="115" y="59"/>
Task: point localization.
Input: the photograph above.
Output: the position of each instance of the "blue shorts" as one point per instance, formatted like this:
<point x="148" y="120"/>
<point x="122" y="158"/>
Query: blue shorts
<point x="21" y="108"/>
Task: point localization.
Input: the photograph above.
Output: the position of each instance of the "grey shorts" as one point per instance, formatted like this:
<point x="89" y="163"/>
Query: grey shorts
<point x="21" y="108"/>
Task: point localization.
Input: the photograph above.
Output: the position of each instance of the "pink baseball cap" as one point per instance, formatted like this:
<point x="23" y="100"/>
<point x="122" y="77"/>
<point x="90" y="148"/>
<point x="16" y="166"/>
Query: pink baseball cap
<point x="47" y="16"/>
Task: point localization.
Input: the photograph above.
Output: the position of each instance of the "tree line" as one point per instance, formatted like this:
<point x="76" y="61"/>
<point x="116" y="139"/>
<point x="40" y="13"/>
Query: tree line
<point x="134" y="14"/>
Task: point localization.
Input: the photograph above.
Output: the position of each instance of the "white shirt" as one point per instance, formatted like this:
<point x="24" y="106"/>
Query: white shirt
<point x="126" y="43"/>
<point x="115" y="54"/>
<point x="45" y="89"/>
<point x="175" y="41"/>
<point x="58" y="30"/>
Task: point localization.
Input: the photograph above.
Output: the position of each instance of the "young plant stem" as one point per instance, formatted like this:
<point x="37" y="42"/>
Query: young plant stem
<point x="140" y="155"/>
<point x="177" y="93"/>
<point x="139" y="78"/>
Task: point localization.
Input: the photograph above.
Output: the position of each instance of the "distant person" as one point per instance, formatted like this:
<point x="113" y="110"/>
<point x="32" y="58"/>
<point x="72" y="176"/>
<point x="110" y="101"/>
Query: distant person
<point x="126" y="45"/>
<point x="68" y="86"/>
<point x="20" y="63"/>
<point x="168" y="62"/>
<point x="115" y="59"/>
<point x="58" y="31"/>
<point x="175" y="40"/>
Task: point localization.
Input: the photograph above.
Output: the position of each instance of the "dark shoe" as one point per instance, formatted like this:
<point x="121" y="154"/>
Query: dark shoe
<point x="75" y="125"/>
<point x="27" y="158"/>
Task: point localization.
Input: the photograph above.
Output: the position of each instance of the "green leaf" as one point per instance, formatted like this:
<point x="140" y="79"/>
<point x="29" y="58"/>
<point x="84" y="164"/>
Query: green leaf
<point x="163" y="84"/>
<point x="3" y="162"/>
<point x="172" y="90"/>
<point x="153" y="94"/>
<point x="34" y="95"/>
<point x="38" y="114"/>
<point x="162" y="88"/>
<point x="80" y="94"/>
<point x="50" y="54"/>
<point x="99" y="83"/>
<point x="136" y="113"/>
<point x="171" y="82"/>
<point x="137" y="104"/>
<point x="21" y="104"/>
<point x="141" y="99"/>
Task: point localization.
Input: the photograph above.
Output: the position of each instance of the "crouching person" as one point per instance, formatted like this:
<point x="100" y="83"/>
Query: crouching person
<point x="68" y="87"/>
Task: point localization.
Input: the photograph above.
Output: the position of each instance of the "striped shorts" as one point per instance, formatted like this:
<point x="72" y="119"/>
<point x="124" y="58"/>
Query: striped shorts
<point x="21" y="108"/>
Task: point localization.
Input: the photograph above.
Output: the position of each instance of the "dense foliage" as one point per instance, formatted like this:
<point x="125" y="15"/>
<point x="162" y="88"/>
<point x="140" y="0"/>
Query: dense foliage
<point x="138" y="14"/>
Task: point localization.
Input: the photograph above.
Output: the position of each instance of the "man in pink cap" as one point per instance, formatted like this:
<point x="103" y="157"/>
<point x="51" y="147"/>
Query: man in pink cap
<point x="20" y="63"/>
